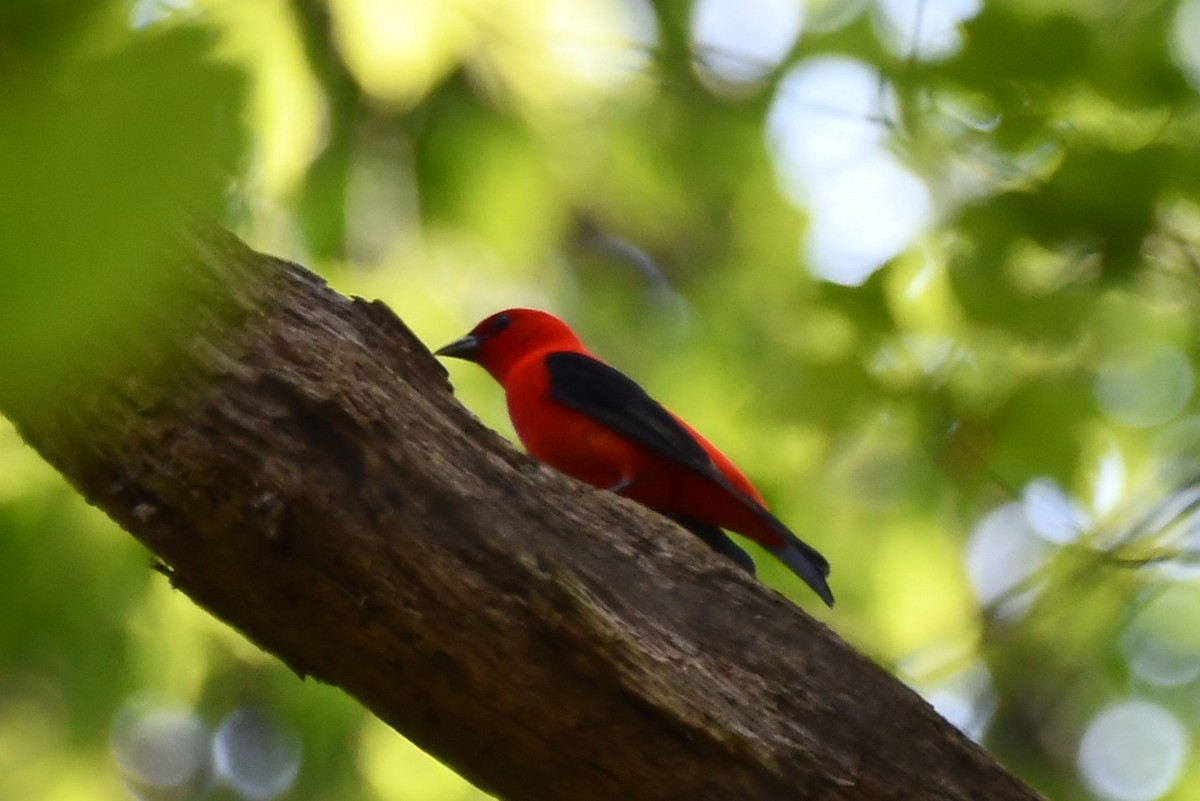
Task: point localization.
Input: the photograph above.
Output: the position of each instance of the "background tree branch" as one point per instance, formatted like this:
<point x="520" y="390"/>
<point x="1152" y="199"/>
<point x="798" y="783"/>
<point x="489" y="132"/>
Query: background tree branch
<point x="296" y="461"/>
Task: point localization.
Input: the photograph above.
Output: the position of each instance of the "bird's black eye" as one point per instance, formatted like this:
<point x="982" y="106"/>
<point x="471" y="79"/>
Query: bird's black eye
<point x="499" y="324"/>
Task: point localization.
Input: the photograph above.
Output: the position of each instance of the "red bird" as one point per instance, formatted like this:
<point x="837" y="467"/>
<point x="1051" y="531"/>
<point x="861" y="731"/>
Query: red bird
<point x="577" y="414"/>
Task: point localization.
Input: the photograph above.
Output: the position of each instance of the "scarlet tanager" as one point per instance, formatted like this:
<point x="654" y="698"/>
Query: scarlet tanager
<point x="577" y="414"/>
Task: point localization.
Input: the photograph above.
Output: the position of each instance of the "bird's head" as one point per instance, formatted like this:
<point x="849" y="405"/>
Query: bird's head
<point x="502" y="340"/>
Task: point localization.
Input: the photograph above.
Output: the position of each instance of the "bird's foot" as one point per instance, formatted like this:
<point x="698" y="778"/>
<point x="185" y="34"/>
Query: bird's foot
<point x="621" y="486"/>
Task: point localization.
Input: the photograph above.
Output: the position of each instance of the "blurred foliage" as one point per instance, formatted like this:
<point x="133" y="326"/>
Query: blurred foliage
<point x="100" y="158"/>
<point x="927" y="269"/>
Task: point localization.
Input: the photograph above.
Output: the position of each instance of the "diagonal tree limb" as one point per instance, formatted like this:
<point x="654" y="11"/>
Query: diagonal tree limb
<point x="296" y="460"/>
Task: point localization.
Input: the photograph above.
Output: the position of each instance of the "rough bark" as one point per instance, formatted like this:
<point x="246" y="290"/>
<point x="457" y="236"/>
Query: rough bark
<point x="298" y="463"/>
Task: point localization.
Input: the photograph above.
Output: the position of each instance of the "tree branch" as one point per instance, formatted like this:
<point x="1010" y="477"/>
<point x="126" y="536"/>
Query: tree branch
<point x="297" y="462"/>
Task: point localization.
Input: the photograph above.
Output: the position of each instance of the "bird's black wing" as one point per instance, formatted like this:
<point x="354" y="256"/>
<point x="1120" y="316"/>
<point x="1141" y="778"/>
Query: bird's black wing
<point x="615" y="401"/>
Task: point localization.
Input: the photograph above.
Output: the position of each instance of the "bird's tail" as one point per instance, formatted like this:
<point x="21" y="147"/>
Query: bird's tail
<point x="803" y="560"/>
<point x="800" y="557"/>
<point x="718" y="540"/>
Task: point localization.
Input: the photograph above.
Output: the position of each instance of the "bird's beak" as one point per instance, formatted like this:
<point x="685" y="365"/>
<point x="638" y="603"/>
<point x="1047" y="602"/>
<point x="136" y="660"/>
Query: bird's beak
<point x="462" y="348"/>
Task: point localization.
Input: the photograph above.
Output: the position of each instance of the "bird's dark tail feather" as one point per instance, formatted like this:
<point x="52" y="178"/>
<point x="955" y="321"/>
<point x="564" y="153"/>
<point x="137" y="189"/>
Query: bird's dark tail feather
<point x="719" y="541"/>
<point x="803" y="560"/>
<point x="800" y="557"/>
